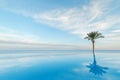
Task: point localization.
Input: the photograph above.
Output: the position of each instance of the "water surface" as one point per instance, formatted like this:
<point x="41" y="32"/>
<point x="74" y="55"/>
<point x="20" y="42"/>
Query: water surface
<point x="59" y="65"/>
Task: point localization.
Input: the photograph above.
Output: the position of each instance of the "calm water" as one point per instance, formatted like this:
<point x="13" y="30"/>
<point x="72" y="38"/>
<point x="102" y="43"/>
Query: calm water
<point x="59" y="65"/>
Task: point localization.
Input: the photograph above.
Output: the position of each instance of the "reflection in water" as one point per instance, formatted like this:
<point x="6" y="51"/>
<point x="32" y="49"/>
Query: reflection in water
<point x="96" y="69"/>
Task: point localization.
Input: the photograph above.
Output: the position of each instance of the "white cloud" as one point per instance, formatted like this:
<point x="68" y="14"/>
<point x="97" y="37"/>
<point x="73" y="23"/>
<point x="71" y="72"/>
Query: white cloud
<point x="12" y="35"/>
<point x="13" y="39"/>
<point x="80" y="20"/>
<point x="96" y="15"/>
<point x="117" y="31"/>
<point x="113" y="37"/>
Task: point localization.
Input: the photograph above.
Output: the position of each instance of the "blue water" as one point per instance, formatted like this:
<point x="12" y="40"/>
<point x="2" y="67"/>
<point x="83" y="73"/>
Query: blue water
<point x="59" y="65"/>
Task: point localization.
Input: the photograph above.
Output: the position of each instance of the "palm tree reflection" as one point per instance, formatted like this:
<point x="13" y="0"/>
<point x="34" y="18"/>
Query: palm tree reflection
<point x="96" y="69"/>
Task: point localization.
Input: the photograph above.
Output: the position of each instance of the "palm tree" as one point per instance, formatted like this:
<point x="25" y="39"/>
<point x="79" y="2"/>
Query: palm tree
<point x="93" y="36"/>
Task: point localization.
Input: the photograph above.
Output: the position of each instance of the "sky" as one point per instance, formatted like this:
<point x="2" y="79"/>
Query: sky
<point x="58" y="24"/>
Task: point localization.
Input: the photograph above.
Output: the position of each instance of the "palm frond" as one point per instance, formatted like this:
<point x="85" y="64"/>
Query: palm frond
<point x="94" y="35"/>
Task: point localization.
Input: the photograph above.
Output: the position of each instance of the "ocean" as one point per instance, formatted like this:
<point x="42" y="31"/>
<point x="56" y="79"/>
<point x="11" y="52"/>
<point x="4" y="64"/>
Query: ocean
<point x="59" y="65"/>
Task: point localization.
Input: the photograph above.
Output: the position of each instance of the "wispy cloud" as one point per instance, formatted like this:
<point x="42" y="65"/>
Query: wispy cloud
<point x="10" y="38"/>
<point x="96" y="15"/>
<point x="93" y="16"/>
<point x="12" y="35"/>
<point x="117" y="31"/>
<point x="13" y="39"/>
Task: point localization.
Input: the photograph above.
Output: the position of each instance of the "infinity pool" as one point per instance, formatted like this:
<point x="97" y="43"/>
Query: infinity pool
<point x="59" y="65"/>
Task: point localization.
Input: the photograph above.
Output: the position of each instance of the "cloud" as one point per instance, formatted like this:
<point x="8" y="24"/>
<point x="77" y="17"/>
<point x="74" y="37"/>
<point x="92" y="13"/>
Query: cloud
<point x="113" y="37"/>
<point x="93" y="16"/>
<point x="13" y="39"/>
<point x="96" y="15"/>
<point x="11" y="35"/>
<point x="117" y="31"/>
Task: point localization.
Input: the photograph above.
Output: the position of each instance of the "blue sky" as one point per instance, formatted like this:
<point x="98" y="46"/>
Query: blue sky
<point x="56" y="24"/>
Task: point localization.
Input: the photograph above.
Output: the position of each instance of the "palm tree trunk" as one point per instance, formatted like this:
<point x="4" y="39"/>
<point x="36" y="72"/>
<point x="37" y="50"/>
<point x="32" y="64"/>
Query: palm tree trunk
<point x="94" y="59"/>
<point x="93" y="45"/>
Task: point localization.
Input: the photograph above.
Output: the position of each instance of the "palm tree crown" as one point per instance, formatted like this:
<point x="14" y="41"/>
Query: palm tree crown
<point x="94" y="35"/>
